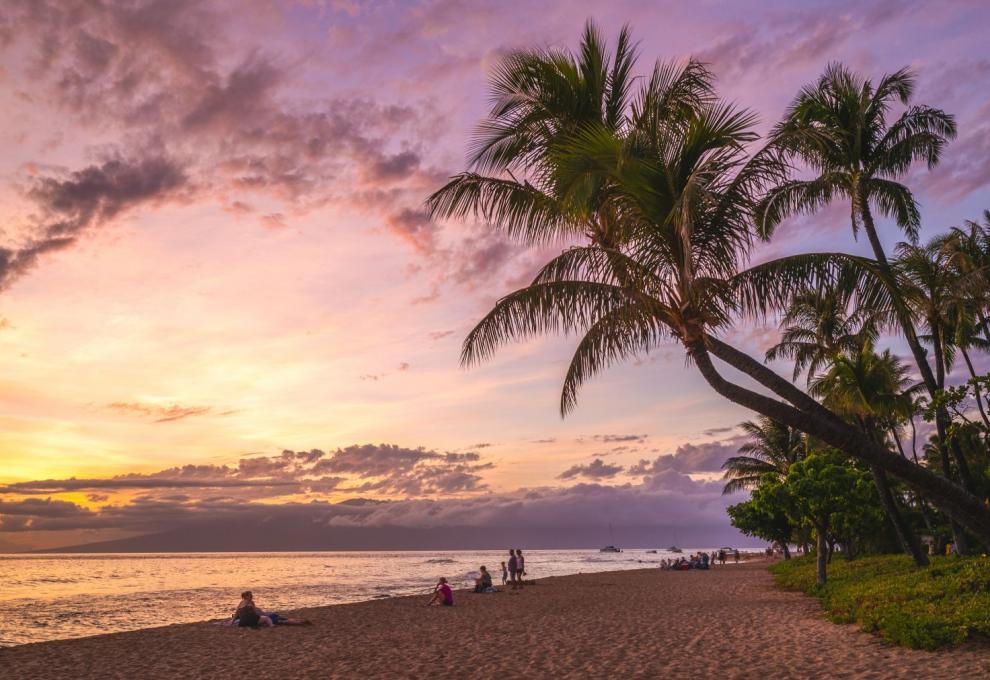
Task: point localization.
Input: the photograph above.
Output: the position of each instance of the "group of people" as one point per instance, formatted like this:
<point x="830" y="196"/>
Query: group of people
<point x="513" y="572"/>
<point x="701" y="560"/>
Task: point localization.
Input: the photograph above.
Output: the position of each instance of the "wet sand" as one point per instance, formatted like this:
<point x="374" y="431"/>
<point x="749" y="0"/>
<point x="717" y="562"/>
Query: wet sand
<point x="730" y="622"/>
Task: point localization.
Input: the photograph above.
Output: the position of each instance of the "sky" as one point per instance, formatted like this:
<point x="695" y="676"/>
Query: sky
<point x="220" y="294"/>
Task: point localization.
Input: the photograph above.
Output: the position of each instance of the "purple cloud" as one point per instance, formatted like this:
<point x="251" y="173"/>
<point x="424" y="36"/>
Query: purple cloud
<point x="596" y="469"/>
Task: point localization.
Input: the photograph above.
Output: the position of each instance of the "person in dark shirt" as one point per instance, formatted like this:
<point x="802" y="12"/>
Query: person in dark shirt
<point x="483" y="582"/>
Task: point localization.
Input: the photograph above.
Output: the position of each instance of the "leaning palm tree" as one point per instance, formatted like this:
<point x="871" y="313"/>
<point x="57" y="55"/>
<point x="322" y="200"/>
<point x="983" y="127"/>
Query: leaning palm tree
<point x="663" y="194"/>
<point x="873" y="390"/>
<point x="771" y="450"/>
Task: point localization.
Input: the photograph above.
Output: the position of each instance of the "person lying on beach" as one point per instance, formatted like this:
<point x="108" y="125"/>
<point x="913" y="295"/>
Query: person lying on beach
<point x="249" y="615"/>
<point x="483" y="583"/>
<point x="442" y="594"/>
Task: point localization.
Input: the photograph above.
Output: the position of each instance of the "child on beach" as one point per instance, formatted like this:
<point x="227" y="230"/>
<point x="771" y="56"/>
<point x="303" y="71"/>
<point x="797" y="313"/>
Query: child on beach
<point x="442" y="594"/>
<point x="505" y="574"/>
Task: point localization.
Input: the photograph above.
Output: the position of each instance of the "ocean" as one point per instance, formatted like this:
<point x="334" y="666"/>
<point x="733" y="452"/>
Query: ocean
<point x="52" y="596"/>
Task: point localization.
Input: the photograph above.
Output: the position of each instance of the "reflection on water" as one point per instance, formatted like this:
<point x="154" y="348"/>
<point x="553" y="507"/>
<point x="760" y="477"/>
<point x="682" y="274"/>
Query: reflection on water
<point x="49" y="597"/>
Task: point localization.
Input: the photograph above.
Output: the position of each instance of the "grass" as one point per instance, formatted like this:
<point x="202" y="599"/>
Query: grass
<point x="939" y="606"/>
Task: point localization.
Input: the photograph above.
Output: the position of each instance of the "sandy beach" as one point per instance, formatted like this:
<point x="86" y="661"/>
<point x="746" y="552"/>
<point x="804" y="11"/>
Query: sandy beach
<point x="730" y="622"/>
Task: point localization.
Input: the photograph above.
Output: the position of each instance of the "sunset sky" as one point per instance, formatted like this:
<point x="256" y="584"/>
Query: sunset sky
<point x="214" y="250"/>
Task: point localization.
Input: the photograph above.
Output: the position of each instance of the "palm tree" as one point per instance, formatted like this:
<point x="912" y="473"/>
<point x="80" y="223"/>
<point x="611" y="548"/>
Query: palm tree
<point x="970" y="255"/>
<point x="820" y="334"/>
<point x="838" y="127"/>
<point x="929" y="286"/>
<point x="817" y="326"/>
<point x="873" y="389"/>
<point x="771" y="450"/>
<point x="664" y="194"/>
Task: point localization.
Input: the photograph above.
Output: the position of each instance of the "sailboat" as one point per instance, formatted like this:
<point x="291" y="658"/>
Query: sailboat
<point x="610" y="548"/>
<point x="674" y="548"/>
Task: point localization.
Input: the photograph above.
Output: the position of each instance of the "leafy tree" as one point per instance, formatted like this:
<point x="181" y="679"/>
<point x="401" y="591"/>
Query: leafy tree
<point x="765" y="515"/>
<point x="834" y="497"/>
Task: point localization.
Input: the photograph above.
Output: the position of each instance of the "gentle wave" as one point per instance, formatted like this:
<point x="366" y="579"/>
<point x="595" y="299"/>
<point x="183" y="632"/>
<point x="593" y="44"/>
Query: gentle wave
<point x="46" y="597"/>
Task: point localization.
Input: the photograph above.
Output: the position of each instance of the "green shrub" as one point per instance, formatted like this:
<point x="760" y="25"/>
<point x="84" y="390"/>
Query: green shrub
<point x="939" y="606"/>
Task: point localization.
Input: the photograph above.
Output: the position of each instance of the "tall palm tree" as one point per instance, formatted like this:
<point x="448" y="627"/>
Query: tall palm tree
<point x="771" y="450"/>
<point x="838" y="127"/>
<point x="968" y="253"/>
<point x="930" y="287"/>
<point x="873" y="389"/>
<point x="664" y="195"/>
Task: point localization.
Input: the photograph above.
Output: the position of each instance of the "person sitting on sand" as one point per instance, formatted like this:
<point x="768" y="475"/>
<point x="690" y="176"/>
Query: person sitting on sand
<point x="483" y="583"/>
<point x="442" y="594"/>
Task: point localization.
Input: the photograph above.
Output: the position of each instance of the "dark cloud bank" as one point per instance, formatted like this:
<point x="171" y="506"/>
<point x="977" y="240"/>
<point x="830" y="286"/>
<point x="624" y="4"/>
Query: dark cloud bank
<point x="444" y="504"/>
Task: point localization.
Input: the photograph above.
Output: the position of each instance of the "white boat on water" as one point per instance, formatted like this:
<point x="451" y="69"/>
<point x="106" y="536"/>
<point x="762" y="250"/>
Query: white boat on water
<point x="610" y="548"/>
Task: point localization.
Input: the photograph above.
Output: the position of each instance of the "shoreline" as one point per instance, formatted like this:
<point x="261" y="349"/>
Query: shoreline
<point x="629" y="623"/>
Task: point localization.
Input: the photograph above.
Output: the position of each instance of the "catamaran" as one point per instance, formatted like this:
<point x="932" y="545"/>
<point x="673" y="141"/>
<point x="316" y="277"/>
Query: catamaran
<point x="610" y="548"/>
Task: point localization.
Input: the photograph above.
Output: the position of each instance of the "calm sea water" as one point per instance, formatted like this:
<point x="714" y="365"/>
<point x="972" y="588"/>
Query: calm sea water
<point x="50" y="597"/>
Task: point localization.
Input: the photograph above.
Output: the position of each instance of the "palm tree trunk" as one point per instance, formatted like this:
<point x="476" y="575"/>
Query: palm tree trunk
<point x="905" y="536"/>
<point x="976" y="387"/>
<point x="897" y="441"/>
<point x="942" y="419"/>
<point x="920" y="356"/>
<point x="985" y="322"/>
<point x="903" y="316"/>
<point x="948" y="496"/>
<point x="821" y="555"/>
<point x="914" y="440"/>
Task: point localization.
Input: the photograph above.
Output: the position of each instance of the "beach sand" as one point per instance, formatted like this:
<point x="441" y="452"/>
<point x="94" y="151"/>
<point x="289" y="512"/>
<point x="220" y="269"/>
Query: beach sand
<point x="730" y="622"/>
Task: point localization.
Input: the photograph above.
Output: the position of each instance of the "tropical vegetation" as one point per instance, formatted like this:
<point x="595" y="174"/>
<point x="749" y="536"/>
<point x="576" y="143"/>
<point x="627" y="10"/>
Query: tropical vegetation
<point x="938" y="606"/>
<point x="659" y="191"/>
